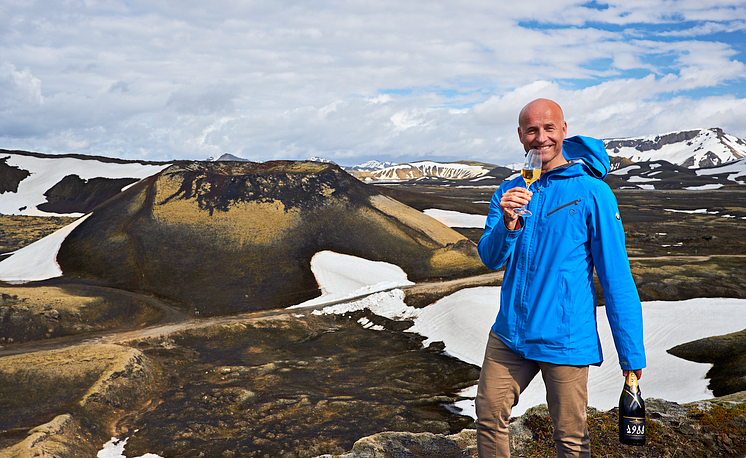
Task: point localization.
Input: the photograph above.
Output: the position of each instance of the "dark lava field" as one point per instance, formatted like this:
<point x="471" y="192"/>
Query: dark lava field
<point x="304" y="385"/>
<point x="656" y="223"/>
<point x="681" y="244"/>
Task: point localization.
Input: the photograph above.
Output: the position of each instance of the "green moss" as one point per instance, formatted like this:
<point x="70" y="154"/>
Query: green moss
<point x="724" y="419"/>
<point x="541" y="429"/>
<point x="604" y="433"/>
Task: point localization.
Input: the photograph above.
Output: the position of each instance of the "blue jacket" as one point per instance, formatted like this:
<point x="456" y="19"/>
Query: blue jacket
<point x="547" y="300"/>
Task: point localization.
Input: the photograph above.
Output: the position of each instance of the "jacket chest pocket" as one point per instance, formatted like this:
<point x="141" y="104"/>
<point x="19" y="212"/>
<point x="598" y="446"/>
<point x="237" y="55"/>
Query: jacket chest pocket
<point x="566" y="220"/>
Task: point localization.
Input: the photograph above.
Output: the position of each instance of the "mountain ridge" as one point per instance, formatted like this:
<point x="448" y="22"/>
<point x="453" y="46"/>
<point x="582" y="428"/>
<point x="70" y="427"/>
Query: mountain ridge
<point x="38" y="184"/>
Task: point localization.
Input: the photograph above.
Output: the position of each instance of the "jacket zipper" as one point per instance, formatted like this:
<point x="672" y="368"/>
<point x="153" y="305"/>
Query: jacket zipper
<point x="522" y="317"/>
<point x="563" y="206"/>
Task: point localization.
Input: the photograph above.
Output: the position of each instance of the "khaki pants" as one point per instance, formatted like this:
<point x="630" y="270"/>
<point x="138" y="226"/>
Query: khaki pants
<point x="503" y="378"/>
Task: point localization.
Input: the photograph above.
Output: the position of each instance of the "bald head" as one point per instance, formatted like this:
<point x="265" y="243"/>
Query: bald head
<point x="542" y="126"/>
<point x="544" y="106"/>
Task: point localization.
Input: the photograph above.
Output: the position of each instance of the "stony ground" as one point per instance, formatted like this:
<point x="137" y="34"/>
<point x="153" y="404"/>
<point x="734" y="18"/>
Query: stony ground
<point x="292" y="385"/>
<point x="709" y="429"/>
<point x="714" y="428"/>
<point x="299" y="386"/>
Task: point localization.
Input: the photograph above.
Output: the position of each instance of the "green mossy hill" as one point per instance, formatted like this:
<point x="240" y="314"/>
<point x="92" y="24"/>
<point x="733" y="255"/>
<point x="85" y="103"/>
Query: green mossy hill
<point x="235" y="236"/>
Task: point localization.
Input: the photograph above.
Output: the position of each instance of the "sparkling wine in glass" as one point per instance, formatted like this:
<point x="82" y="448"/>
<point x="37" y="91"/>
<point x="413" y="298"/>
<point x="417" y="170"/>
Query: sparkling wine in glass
<point x="530" y="172"/>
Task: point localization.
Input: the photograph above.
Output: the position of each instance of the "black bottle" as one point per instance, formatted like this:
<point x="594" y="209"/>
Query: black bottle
<point x="631" y="413"/>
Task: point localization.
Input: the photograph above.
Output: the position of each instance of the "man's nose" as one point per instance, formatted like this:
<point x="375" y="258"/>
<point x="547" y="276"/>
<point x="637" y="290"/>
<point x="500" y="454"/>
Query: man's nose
<point x="541" y="136"/>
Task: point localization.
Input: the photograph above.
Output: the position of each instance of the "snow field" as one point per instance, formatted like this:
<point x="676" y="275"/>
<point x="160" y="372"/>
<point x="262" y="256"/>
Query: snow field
<point x="462" y="322"/>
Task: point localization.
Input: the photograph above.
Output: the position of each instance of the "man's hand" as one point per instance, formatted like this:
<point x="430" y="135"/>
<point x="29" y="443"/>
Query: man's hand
<point x="512" y="199"/>
<point x="637" y="372"/>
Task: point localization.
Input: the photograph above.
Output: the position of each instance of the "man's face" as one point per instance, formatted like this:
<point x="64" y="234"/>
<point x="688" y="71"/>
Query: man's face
<point x="542" y="126"/>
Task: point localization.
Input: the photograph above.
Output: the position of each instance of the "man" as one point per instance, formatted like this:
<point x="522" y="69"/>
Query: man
<point x="547" y="316"/>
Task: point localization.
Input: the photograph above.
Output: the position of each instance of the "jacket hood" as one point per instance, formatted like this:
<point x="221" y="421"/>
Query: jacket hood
<point x="589" y="150"/>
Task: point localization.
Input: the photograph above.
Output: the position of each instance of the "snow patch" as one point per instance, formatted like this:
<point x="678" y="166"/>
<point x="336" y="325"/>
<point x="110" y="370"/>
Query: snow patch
<point x="341" y="276"/>
<point x="37" y="261"/>
<point x="456" y="219"/>
<point x="115" y="449"/>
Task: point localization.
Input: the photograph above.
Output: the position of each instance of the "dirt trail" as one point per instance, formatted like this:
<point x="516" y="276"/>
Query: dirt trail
<point x="176" y="320"/>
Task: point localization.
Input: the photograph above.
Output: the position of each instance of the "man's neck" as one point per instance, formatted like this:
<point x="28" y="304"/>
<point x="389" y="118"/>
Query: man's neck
<point x="553" y="164"/>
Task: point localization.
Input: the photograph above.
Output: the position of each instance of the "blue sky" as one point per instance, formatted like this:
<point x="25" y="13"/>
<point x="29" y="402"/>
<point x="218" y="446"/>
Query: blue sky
<point x="358" y="80"/>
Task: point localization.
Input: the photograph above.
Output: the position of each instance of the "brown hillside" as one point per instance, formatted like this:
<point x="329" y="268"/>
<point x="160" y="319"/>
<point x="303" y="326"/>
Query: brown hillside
<point x="235" y="236"/>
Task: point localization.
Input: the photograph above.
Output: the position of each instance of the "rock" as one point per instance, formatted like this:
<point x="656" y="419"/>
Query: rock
<point x="245" y="398"/>
<point x="727" y="353"/>
<point x="414" y="445"/>
<point x="428" y="445"/>
<point x="63" y="437"/>
<point x="520" y="434"/>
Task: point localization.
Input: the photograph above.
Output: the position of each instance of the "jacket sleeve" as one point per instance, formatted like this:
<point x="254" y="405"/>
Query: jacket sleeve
<point x="623" y="307"/>
<point x="497" y="242"/>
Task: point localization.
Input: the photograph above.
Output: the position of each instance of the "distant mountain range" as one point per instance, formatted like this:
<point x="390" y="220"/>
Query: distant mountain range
<point x="73" y="184"/>
<point x="699" y="148"/>
<point x="370" y="166"/>
<point x="625" y="174"/>
<point x="695" y="160"/>
<point x="693" y="149"/>
<point x="414" y="170"/>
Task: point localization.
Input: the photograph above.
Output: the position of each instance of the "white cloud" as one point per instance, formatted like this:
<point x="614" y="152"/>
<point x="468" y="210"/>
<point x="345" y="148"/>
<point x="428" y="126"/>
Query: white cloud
<point x="354" y="81"/>
<point x="18" y="87"/>
<point x="707" y="28"/>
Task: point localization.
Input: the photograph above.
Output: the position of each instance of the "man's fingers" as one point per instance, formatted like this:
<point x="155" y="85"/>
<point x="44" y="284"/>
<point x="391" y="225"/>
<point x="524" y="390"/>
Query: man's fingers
<point x="514" y="198"/>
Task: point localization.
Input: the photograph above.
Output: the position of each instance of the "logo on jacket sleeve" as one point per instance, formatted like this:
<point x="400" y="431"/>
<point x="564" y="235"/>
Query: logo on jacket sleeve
<point x="616" y="215"/>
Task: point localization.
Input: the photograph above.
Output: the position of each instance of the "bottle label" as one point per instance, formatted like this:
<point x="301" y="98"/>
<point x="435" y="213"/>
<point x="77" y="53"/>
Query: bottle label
<point x="633" y="427"/>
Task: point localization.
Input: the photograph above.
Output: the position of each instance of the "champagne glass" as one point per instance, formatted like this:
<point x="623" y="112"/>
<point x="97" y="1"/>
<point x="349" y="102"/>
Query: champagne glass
<point x="530" y="172"/>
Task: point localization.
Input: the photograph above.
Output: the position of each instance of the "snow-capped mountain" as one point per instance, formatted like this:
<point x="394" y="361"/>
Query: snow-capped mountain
<point x="414" y="170"/>
<point x="693" y="149"/>
<point x="370" y="166"/>
<point x="320" y="159"/>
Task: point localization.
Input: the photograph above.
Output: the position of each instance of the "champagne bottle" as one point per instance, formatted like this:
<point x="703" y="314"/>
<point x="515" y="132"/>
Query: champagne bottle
<point x="631" y="413"/>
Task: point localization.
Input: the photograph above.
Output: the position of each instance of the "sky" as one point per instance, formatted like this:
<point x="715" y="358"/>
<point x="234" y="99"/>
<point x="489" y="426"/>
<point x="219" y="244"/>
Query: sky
<point x="352" y="81"/>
